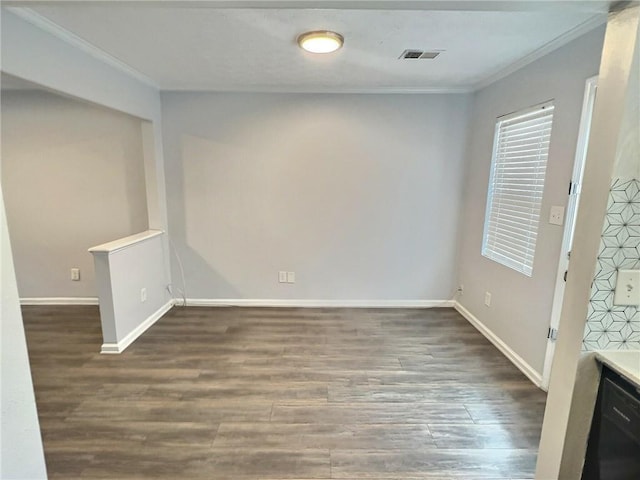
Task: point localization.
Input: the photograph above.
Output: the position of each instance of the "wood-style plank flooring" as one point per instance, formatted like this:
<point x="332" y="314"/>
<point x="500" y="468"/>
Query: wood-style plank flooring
<point x="269" y="393"/>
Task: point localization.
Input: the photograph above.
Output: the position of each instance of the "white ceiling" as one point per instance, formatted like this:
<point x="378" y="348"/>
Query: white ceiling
<point x="197" y="47"/>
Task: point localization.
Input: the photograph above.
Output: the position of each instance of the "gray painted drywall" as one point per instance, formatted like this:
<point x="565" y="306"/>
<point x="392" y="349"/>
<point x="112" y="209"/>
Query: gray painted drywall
<point x="41" y="58"/>
<point x="73" y="177"/>
<point x="21" y="453"/>
<point x="358" y="194"/>
<point x="521" y="306"/>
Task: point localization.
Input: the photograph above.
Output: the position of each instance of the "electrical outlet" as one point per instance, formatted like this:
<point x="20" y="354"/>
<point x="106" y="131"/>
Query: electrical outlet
<point x="282" y="277"/>
<point x="75" y="274"/>
<point x="291" y="277"/>
<point x="487" y="299"/>
<point x="460" y="289"/>
<point x="143" y="295"/>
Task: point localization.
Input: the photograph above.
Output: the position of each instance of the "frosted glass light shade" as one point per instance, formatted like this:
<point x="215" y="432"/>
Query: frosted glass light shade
<point x="320" y="41"/>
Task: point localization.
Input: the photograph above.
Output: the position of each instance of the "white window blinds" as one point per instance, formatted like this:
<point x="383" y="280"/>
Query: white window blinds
<point x="520" y="151"/>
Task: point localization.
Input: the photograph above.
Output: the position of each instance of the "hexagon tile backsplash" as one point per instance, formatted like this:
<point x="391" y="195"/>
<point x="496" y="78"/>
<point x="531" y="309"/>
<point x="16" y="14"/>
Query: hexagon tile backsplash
<point x="609" y="326"/>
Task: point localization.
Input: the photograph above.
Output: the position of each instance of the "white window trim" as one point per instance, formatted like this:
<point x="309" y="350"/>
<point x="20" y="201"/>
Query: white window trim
<point x="521" y="261"/>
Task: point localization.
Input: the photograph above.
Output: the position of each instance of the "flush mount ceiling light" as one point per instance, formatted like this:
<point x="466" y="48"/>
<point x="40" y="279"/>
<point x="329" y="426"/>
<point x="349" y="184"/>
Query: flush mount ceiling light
<point x="321" y="41"/>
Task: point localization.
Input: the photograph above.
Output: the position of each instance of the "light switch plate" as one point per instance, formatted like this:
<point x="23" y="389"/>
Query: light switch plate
<point x="487" y="299"/>
<point x="627" y="288"/>
<point x="556" y="215"/>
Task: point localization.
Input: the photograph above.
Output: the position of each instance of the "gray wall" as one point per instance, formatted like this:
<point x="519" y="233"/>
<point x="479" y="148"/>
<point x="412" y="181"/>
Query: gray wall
<point x="358" y="194"/>
<point x="73" y="177"/>
<point x="521" y="306"/>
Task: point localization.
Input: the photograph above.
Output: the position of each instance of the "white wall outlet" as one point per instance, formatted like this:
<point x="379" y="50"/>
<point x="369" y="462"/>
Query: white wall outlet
<point x="282" y="277"/>
<point x="556" y="215"/>
<point x="291" y="277"/>
<point x="143" y="295"/>
<point x="75" y="274"/>
<point x="487" y="299"/>
<point x="627" y="288"/>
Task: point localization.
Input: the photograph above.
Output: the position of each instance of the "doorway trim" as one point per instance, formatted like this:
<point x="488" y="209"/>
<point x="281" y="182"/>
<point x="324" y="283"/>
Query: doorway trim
<point x="574" y="189"/>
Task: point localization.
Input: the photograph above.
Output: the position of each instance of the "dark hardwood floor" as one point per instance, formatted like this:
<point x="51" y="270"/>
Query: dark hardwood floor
<point x="269" y="393"/>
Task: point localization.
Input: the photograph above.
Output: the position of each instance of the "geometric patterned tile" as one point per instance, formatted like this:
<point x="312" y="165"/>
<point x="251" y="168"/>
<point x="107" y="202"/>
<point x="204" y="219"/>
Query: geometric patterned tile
<point x="609" y="326"/>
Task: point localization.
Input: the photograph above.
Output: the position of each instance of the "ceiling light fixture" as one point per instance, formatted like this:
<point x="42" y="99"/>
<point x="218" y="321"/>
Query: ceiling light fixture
<point x="321" y="41"/>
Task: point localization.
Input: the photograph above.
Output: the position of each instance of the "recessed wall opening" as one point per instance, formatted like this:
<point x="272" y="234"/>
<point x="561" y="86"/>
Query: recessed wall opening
<point x="72" y="177"/>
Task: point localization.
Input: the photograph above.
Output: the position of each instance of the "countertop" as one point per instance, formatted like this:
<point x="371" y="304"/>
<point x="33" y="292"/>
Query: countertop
<point x="625" y="362"/>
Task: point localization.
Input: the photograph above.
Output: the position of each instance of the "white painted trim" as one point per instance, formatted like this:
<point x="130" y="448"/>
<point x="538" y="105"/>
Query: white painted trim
<point x="333" y="90"/>
<point x="136" y="332"/>
<point x="126" y="242"/>
<point x="59" y="301"/>
<point x="456" y="5"/>
<point x="74" y="40"/>
<point x="243" y="302"/>
<point x="554" y="44"/>
<point x="516" y="359"/>
<point x="110" y="348"/>
<point x="588" y="103"/>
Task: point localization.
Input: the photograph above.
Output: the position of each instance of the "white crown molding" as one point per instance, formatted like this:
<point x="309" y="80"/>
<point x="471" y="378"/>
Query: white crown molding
<point x="59" y="301"/>
<point x="243" y="302"/>
<point x="74" y="40"/>
<point x="549" y="47"/>
<point x="469" y="5"/>
<point x="320" y="90"/>
<point x="530" y="372"/>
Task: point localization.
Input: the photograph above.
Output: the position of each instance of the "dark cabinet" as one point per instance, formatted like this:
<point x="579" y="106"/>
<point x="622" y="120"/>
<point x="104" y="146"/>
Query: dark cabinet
<point x="613" y="451"/>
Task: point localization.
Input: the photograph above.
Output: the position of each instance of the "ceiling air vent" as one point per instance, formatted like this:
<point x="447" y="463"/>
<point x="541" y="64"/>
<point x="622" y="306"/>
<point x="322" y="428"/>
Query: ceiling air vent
<point x="410" y="54"/>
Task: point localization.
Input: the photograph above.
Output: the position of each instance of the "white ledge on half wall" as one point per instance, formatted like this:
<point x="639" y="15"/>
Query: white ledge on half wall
<point x="125" y="242"/>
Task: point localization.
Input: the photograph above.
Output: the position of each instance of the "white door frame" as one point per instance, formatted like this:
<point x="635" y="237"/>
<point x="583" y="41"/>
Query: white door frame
<point x="569" y="225"/>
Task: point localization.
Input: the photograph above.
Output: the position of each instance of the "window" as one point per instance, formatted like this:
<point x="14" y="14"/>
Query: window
<point x="520" y="151"/>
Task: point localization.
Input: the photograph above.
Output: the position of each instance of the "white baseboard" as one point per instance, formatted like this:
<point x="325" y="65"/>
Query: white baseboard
<point x="59" y="301"/>
<point x="242" y="302"/>
<point x="516" y="359"/>
<point x="136" y="332"/>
